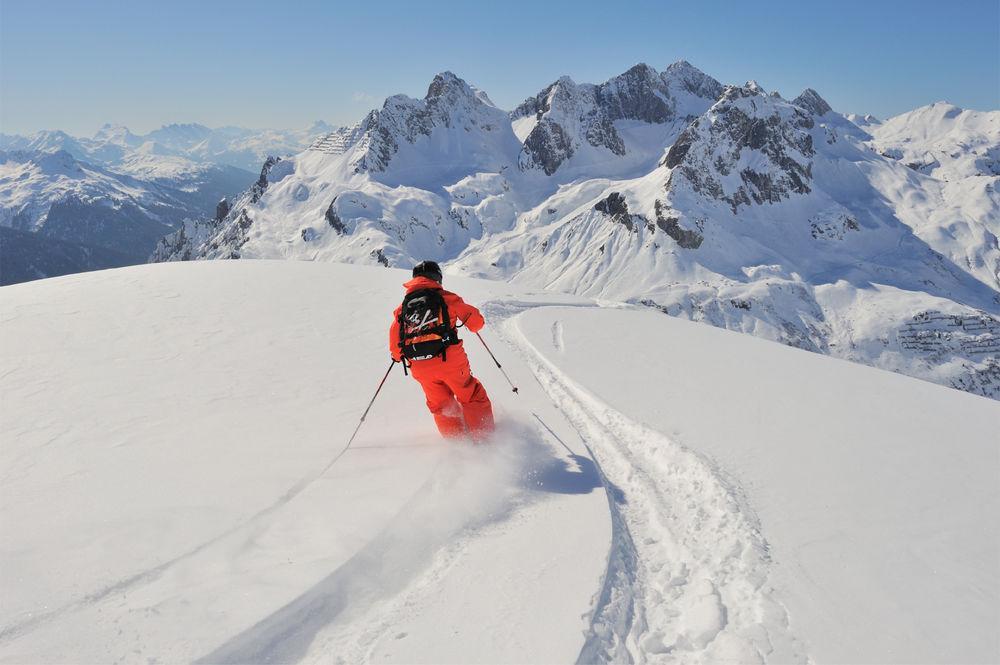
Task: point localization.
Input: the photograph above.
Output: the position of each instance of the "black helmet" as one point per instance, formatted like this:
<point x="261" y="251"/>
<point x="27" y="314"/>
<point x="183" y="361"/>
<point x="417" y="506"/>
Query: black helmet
<point x="429" y="269"/>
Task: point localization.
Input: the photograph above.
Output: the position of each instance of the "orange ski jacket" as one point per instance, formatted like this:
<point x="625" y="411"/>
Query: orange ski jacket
<point x="458" y="310"/>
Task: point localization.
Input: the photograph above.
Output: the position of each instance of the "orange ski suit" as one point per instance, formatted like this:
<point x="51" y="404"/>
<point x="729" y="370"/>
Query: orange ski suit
<point x="446" y="380"/>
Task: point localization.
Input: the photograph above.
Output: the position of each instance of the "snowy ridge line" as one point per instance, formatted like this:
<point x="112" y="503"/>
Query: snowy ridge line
<point x="699" y="592"/>
<point x="152" y="574"/>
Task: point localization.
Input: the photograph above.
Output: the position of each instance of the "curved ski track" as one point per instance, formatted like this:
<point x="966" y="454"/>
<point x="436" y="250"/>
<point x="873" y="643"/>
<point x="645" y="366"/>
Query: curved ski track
<point x="687" y="571"/>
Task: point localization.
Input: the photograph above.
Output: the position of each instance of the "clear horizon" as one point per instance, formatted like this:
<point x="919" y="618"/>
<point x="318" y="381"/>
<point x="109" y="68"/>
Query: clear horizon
<point x="76" y="67"/>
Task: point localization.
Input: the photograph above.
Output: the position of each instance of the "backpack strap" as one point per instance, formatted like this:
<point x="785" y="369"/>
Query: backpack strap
<point x="452" y="334"/>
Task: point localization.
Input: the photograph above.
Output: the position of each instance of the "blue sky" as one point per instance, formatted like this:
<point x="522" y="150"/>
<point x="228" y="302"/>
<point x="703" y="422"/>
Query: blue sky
<point x="77" y="65"/>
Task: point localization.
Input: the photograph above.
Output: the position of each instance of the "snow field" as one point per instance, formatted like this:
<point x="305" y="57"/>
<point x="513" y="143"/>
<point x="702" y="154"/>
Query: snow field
<point x="174" y="486"/>
<point x="875" y="495"/>
<point x="167" y="493"/>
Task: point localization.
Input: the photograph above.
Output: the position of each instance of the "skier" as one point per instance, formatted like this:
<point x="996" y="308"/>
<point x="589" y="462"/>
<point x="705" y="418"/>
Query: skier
<point x="423" y="336"/>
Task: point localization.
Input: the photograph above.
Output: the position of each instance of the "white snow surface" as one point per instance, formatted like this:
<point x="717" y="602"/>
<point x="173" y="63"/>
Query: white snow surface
<point x="872" y="498"/>
<point x="943" y="140"/>
<point x="178" y="503"/>
<point x="175" y="486"/>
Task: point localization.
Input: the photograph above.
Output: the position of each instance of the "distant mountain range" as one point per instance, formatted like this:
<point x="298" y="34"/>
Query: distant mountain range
<point x="866" y="240"/>
<point x="121" y="192"/>
<point x="137" y="155"/>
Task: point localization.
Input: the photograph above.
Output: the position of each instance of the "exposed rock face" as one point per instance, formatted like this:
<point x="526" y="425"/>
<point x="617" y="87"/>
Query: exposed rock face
<point x="617" y="209"/>
<point x="744" y="123"/>
<point x="638" y="94"/>
<point x="570" y="115"/>
<point x="233" y="236"/>
<point x="547" y="146"/>
<point x="693" y="80"/>
<point x="812" y="102"/>
<point x="670" y="225"/>
<point x="185" y="243"/>
<point x="832" y="226"/>
<point x="541" y="103"/>
<point x="333" y="219"/>
<point x="221" y="210"/>
<point x="221" y="236"/>
<point x="257" y="190"/>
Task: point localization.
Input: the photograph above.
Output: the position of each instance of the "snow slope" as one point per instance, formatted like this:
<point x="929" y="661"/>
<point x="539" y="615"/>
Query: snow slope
<point x="175" y="489"/>
<point x="956" y="153"/>
<point x="874" y="496"/>
<point x="61" y="198"/>
<point x="171" y="495"/>
<point x="942" y="140"/>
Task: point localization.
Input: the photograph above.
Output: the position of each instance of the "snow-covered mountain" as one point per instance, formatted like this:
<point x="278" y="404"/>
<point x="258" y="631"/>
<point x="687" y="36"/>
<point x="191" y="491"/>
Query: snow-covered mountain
<point x="722" y="204"/>
<point x="177" y="489"/>
<point x="623" y="122"/>
<point x="114" y="145"/>
<point x="122" y="192"/>
<point x="942" y="140"/>
<point x="57" y="196"/>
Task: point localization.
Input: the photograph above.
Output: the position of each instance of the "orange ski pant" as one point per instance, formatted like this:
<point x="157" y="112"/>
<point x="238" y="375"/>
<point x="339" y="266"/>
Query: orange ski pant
<point x="456" y="398"/>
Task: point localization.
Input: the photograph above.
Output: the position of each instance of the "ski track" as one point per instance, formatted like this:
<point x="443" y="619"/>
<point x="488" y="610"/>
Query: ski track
<point x="357" y="641"/>
<point x="687" y="575"/>
<point x="372" y="573"/>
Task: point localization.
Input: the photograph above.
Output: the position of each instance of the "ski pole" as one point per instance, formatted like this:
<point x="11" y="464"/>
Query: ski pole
<point x="365" y="414"/>
<point x="499" y="366"/>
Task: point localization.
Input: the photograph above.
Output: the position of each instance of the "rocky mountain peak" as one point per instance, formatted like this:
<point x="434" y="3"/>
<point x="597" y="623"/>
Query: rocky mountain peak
<point x="450" y="103"/>
<point x="763" y="140"/>
<point x="58" y="161"/>
<point x="640" y="71"/>
<point x="734" y="92"/>
<point x="572" y="117"/>
<point x="812" y="102"/>
<point x="692" y="80"/>
<point x="448" y="86"/>
<point x="638" y="94"/>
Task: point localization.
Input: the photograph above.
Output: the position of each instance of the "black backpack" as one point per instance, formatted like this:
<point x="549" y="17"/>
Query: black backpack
<point x="425" y="329"/>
